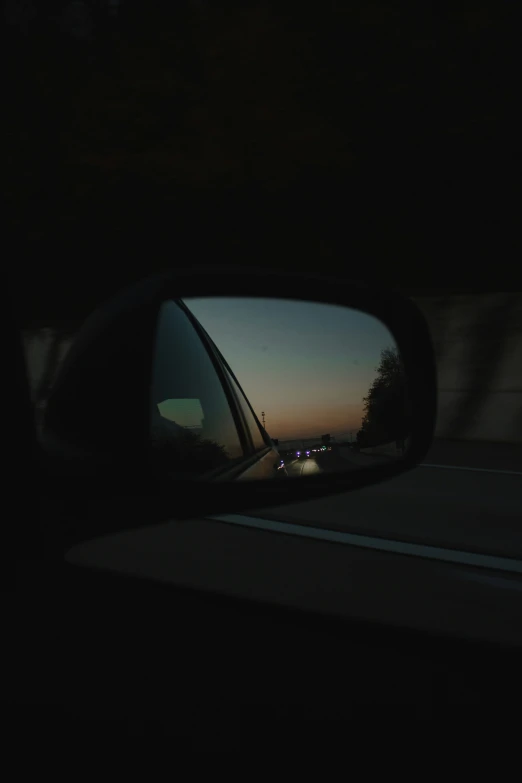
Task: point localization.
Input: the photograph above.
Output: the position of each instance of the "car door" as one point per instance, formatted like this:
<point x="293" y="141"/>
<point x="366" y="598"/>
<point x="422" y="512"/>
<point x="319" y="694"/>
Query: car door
<point x="201" y="420"/>
<point x="196" y="425"/>
<point x="262" y="458"/>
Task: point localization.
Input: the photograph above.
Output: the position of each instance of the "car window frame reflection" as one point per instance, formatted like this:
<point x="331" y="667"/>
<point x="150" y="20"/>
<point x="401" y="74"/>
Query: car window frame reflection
<point x="222" y="368"/>
<point x="253" y="450"/>
<point x="235" y="462"/>
<point x="261" y="429"/>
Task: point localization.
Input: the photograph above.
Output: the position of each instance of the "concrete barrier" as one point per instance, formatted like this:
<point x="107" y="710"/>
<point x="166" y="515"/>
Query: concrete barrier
<point x="384" y="450"/>
<point x="478" y="344"/>
<point x="365" y="457"/>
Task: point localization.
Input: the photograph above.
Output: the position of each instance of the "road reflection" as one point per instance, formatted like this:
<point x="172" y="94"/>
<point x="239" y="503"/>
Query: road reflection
<point x="324" y="462"/>
<point x="305" y="467"/>
<point x="336" y="460"/>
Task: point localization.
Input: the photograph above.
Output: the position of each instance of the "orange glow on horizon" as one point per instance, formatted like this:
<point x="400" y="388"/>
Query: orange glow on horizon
<point x="289" y="427"/>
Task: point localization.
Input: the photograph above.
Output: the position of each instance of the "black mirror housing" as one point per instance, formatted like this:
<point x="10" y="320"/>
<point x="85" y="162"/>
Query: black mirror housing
<point x="105" y="456"/>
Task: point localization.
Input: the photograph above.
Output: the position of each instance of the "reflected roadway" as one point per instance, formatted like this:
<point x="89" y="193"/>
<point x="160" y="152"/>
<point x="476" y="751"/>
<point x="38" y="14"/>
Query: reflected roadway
<point x="340" y="459"/>
<point x="306" y="467"/>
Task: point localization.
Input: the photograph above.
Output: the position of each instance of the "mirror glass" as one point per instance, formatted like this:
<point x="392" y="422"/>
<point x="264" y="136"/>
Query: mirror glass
<point x="270" y="388"/>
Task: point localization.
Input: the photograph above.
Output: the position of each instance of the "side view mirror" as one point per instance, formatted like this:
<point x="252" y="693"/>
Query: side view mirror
<point x="169" y="391"/>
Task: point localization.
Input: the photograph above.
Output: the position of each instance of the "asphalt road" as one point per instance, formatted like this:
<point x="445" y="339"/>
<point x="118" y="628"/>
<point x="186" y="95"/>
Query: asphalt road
<point x="329" y="461"/>
<point x="465" y="496"/>
<point x="305" y="467"/>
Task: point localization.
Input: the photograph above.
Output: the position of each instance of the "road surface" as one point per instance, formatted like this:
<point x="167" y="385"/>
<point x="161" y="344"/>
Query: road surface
<point x="466" y="496"/>
<point x="330" y="461"/>
<point x="305" y="467"/>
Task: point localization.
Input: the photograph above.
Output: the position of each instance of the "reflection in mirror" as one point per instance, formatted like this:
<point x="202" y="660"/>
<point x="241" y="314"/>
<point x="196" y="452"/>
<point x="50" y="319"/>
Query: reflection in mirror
<point x="193" y="431"/>
<point x="326" y="382"/>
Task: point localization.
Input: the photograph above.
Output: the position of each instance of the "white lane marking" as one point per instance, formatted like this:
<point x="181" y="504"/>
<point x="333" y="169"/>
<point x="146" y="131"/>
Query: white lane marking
<point x="478" y="470"/>
<point x="382" y="544"/>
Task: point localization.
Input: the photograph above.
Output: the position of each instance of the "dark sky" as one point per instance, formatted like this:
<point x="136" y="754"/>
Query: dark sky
<point x="307" y="365"/>
<point x="359" y="129"/>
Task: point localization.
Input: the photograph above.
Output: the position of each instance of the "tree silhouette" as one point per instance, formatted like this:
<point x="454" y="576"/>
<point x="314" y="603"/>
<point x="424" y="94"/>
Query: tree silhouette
<point x="385" y="407"/>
